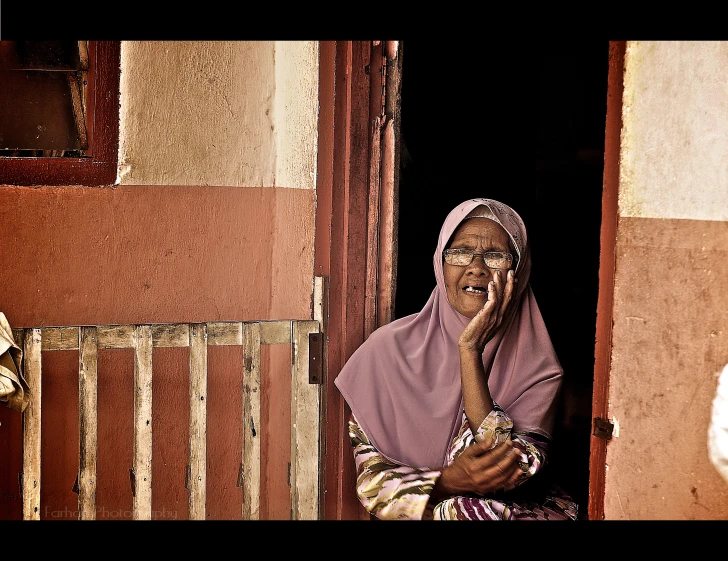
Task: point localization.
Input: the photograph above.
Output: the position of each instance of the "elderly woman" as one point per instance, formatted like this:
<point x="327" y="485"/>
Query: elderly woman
<point x="453" y="407"/>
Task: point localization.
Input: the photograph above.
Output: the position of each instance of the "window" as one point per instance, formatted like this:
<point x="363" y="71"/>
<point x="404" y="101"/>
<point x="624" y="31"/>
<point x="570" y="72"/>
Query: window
<point x="59" y="118"/>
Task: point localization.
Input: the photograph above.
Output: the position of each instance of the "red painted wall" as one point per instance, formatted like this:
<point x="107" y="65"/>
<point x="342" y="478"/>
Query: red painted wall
<point x="152" y="254"/>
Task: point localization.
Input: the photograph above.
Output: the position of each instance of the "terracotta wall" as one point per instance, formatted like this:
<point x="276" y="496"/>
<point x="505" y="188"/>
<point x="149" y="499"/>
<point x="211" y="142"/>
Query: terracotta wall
<point x="212" y="220"/>
<point x="670" y="315"/>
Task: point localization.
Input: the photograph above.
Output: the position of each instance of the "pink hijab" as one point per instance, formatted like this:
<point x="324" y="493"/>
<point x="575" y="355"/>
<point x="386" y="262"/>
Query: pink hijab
<point x="403" y="382"/>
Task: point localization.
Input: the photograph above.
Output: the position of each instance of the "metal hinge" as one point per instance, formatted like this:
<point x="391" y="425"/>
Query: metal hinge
<point x="315" y="358"/>
<point x="602" y="429"/>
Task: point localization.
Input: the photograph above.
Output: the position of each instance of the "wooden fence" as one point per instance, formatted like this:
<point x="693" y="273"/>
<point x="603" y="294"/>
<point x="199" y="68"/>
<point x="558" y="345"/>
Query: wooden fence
<point x="306" y="402"/>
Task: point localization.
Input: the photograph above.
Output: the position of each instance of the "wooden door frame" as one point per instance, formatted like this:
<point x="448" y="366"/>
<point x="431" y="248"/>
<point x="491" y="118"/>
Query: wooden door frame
<point x="355" y="242"/>
<point x="605" y="302"/>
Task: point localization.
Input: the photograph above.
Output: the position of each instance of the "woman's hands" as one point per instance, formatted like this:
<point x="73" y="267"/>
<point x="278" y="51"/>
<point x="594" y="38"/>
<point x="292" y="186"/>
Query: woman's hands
<point x="480" y="469"/>
<point x="487" y="321"/>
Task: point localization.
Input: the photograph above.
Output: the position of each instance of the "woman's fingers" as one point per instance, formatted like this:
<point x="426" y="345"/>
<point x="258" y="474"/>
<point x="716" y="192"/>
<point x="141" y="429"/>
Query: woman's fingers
<point x="481" y="328"/>
<point x="507" y="294"/>
<point x="477" y="330"/>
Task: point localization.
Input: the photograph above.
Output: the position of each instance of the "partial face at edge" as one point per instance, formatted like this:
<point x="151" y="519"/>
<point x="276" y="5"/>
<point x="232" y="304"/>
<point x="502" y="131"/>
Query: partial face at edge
<point x="480" y="235"/>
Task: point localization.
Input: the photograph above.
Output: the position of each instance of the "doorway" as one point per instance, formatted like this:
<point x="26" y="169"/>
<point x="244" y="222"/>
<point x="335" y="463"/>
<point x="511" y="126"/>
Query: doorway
<point x="527" y="128"/>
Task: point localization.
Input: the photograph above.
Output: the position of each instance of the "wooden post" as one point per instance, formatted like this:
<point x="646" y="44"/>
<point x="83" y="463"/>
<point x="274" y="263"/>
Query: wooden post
<point x="250" y="469"/>
<point x="197" y="483"/>
<point x="142" y="471"/>
<point x="88" y="421"/>
<point x="31" y="425"/>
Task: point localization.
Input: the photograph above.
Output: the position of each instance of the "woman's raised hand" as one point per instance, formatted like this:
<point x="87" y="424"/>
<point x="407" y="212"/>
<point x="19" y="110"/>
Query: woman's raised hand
<point x="487" y="321"/>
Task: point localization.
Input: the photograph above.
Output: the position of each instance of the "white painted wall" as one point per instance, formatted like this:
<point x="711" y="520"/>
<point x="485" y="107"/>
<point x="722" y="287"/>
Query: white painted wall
<point x="674" y="156"/>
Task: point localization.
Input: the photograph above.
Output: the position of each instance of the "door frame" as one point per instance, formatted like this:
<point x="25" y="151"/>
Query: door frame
<point x="355" y="244"/>
<point x="605" y="301"/>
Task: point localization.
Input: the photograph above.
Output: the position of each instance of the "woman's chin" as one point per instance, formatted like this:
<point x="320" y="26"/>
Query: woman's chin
<point x="470" y="309"/>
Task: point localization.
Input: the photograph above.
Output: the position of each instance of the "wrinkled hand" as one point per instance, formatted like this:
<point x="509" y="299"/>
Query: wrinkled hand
<point x="481" y="470"/>
<point x="487" y="321"/>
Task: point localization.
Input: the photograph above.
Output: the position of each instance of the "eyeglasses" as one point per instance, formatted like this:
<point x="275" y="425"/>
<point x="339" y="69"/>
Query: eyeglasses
<point x="464" y="257"/>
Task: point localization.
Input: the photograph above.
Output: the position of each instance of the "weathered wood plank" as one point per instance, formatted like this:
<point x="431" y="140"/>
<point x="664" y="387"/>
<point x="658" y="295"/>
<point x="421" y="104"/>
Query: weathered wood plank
<point x="321" y="315"/>
<point x="388" y="205"/>
<point x="18" y="335"/>
<point x="275" y="332"/>
<point x="225" y="333"/>
<point x="116" y="336"/>
<point x="88" y="421"/>
<point x="372" y="261"/>
<point x="197" y="482"/>
<point x="251" y="421"/>
<point x="305" y="434"/>
<point x="142" y="471"/>
<point x="171" y="335"/>
<point x="60" y="338"/>
<point x="320" y="298"/>
<point x="32" y="342"/>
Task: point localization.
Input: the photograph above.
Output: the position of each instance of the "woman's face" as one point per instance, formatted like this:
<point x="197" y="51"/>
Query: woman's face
<point x="467" y="286"/>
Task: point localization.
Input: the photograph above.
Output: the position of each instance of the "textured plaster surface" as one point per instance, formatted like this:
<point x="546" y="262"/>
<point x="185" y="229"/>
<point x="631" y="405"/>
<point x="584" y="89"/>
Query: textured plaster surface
<point x="226" y="113"/>
<point x="674" y="157"/>
<point x="296" y="113"/>
<point x="155" y="254"/>
<point x="670" y="341"/>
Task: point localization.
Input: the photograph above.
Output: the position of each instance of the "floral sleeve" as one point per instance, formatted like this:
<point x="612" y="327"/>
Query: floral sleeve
<point x="385" y="488"/>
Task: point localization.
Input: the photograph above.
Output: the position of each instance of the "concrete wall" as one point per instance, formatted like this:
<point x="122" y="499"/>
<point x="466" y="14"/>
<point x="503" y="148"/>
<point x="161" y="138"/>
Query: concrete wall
<point x="212" y="220"/>
<point x="670" y="330"/>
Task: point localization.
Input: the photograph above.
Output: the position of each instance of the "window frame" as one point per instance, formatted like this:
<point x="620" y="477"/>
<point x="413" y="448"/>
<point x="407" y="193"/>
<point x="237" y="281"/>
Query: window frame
<point x="98" y="168"/>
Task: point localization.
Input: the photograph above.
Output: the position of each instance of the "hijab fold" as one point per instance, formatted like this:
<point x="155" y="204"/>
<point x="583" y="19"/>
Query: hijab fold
<point x="403" y="383"/>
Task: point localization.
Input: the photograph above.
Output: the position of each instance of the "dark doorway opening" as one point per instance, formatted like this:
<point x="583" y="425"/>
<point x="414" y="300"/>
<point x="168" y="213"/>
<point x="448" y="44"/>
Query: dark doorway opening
<point x="526" y="128"/>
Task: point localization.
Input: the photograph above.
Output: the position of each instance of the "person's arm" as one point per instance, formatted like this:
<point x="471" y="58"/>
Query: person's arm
<point x="492" y="462"/>
<point x="385" y="488"/>
<point x="477" y="400"/>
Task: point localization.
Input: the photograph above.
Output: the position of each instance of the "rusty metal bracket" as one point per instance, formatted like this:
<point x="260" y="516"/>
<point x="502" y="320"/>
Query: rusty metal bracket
<point x="602" y="429"/>
<point x="315" y="358"/>
<point x="132" y="481"/>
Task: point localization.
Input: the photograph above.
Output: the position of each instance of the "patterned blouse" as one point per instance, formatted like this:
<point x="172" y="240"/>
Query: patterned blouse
<point x="393" y="491"/>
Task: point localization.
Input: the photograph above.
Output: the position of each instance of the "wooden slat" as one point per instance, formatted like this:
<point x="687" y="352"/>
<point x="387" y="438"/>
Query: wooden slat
<point x="88" y="422"/>
<point x="225" y="333"/>
<point x="372" y="263"/>
<point x="142" y="471"/>
<point x="31" y="425"/>
<point x="388" y="218"/>
<point x="275" y="332"/>
<point x="116" y="336"/>
<point x="320" y="297"/>
<point x="18" y="335"/>
<point x="251" y="421"/>
<point x="305" y="410"/>
<point x="60" y="338"/>
<point x="321" y="315"/>
<point x="171" y="335"/>
<point x="198" y="421"/>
